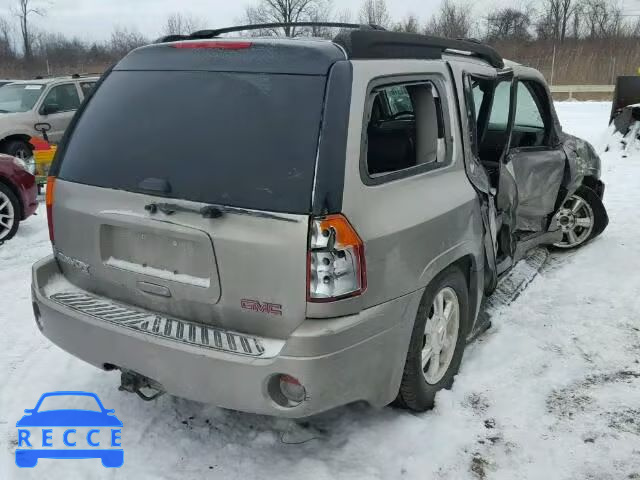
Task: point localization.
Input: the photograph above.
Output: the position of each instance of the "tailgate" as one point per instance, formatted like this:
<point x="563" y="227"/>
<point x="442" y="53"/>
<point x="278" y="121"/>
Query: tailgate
<point x="241" y="272"/>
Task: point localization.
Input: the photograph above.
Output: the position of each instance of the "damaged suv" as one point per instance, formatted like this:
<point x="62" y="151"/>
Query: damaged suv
<point x="285" y="226"/>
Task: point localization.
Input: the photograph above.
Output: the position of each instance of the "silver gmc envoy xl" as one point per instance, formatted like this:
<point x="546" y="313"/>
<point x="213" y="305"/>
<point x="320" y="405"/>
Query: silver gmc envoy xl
<point x="283" y="226"/>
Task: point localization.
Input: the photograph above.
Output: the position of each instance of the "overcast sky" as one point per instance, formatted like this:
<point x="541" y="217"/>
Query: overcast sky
<point x="95" y="19"/>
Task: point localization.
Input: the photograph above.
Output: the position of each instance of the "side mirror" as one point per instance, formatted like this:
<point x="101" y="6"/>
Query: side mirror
<point x="49" y="109"/>
<point x="29" y="410"/>
<point x="43" y="128"/>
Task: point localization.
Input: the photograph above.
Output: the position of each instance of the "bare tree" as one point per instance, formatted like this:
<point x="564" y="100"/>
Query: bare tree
<point x="24" y="10"/>
<point x="375" y="12"/>
<point x="576" y="23"/>
<point x="181" y="24"/>
<point x="323" y="13"/>
<point x="603" y="18"/>
<point x="508" y="23"/>
<point x="555" y="18"/>
<point x="284" y="11"/>
<point x="567" y="7"/>
<point x="6" y="44"/>
<point x="123" y="40"/>
<point x="452" y="20"/>
<point x="410" y="24"/>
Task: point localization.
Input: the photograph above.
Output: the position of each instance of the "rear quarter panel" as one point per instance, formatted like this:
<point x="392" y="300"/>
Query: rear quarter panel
<point x="413" y="227"/>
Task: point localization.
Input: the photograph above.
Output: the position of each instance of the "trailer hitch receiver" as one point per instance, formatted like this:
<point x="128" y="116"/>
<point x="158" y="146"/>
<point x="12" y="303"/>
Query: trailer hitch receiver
<point x="134" y="383"/>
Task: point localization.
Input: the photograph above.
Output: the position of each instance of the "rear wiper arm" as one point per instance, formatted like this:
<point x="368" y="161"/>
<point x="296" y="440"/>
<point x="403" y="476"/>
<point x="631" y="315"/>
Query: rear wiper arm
<point x="210" y="211"/>
<point x="253" y="213"/>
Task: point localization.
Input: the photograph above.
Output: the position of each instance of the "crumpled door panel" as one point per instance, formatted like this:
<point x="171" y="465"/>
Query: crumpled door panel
<point x="539" y="175"/>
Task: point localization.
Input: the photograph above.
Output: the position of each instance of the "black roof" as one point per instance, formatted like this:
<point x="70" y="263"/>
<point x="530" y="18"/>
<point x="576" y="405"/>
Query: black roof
<point x="372" y="42"/>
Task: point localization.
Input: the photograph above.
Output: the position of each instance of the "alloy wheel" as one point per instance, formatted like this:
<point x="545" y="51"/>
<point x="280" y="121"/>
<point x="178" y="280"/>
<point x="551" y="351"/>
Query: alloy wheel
<point x="22" y="154"/>
<point x="575" y="218"/>
<point x="440" y="335"/>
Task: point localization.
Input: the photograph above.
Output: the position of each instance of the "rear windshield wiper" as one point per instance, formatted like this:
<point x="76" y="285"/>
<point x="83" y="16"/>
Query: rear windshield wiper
<point x="210" y="211"/>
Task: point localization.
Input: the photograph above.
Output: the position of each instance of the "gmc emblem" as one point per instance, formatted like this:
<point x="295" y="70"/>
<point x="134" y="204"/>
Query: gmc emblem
<point x="262" y="307"/>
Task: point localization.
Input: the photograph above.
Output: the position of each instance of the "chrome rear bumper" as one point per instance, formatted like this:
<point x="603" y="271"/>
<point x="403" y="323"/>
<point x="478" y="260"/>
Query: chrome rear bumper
<point x="177" y="330"/>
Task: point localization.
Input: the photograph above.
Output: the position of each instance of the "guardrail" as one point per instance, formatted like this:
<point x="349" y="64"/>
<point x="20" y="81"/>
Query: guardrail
<point x="571" y="89"/>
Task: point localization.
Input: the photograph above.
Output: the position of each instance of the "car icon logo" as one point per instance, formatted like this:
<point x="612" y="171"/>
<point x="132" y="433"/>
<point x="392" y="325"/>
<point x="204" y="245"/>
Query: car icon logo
<point x="69" y="433"/>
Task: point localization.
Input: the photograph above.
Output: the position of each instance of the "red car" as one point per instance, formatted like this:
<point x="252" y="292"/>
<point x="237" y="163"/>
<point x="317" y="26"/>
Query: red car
<point x="18" y="192"/>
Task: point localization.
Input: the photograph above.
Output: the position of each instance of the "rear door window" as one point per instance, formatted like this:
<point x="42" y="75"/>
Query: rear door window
<point x="239" y="139"/>
<point x="406" y="129"/>
<point x="87" y="88"/>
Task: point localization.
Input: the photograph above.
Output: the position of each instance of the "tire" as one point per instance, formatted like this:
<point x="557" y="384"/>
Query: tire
<point x="574" y="235"/>
<point x="18" y="148"/>
<point x="416" y="392"/>
<point x="9" y="213"/>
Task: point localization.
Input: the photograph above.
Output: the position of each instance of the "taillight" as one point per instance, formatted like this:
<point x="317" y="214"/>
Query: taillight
<point x="213" y="44"/>
<point x="49" y="199"/>
<point x="336" y="266"/>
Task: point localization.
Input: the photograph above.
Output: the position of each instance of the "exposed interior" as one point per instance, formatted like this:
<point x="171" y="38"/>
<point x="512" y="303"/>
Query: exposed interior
<point x="405" y="129"/>
<point x="532" y="123"/>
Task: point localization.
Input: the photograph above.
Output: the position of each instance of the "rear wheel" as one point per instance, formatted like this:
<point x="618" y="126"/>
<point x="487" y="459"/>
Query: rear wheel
<point x="9" y="213"/>
<point x="581" y="218"/>
<point x="18" y="148"/>
<point x="437" y="342"/>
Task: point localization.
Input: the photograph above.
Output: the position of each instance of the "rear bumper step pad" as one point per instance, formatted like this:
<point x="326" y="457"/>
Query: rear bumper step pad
<point x="178" y="330"/>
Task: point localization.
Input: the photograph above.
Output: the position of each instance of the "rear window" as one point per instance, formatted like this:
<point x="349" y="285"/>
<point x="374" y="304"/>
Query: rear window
<point x="239" y="139"/>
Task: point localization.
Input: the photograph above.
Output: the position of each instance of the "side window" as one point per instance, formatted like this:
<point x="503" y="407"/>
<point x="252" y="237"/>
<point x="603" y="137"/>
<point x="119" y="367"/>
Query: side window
<point x="87" y="88"/>
<point x="527" y="111"/>
<point x="62" y="98"/>
<point x="478" y="97"/>
<point x="405" y="130"/>
<point x="499" y="118"/>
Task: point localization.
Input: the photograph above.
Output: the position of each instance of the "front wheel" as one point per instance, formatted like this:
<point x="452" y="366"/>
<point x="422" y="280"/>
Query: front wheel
<point x="19" y="149"/>
<point x="581" y="218"/>
<point x="437" y="341"/>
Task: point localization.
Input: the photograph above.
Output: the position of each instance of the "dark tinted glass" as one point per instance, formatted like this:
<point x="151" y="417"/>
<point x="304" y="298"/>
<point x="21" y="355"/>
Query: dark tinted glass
<point x="63" y="98"/>
<point x="237" y="139"/>
<point x="87" y="87"/>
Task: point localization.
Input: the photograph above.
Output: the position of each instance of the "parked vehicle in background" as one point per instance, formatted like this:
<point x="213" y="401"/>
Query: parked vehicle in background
<point x="363" y="196"/>
<point x="18" y="194"/>
<point x="25" y="104"/>
<point x="5" y="82"/>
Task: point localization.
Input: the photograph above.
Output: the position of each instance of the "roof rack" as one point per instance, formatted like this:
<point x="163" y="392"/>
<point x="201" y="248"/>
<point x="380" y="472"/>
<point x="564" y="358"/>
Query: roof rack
<point x="70" y="75"/>
<point x="361" y="41"/>
<point x="87" y="74"/>
<point x="203" y="34"/>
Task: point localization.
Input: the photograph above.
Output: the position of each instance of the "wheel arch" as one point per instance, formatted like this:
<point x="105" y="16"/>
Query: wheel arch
<point x="23" y="137"/>
<point x="594" y="184"/>
<point x="471" y="264"/>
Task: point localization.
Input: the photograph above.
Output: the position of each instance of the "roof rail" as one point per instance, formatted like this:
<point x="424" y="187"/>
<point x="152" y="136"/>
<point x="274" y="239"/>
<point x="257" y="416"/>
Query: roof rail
<point x="363" y="44"/>
<point x="86" y="74"/>
<point x="203" y="34"/>
<point x="362" y="41"/>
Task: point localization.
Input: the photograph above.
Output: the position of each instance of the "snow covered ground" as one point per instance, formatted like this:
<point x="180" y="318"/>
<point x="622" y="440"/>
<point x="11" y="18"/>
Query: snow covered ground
<point x="552" y="391"/>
